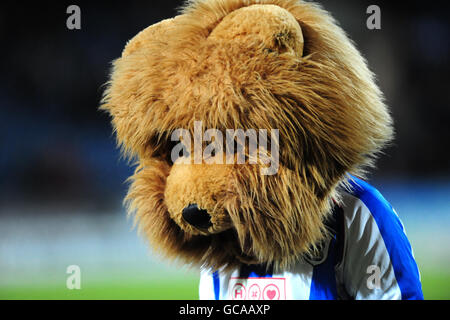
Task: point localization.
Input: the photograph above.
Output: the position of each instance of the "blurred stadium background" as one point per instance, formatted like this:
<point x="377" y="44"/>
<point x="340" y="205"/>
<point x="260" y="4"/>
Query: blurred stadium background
<point x="62" y="182"/>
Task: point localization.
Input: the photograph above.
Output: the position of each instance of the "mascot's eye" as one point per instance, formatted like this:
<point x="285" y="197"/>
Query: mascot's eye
<point x="167" y="150"/>
<point x="175" y="150"/>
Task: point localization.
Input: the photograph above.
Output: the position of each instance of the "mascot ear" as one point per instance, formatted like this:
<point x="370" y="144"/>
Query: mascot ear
<point x="125" y="99"/>
<point x="269" y="26"/>
<point x="154" y="33"/>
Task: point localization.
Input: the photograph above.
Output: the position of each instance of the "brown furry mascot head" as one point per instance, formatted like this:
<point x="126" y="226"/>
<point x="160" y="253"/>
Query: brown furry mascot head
<point x="269" y="65"/>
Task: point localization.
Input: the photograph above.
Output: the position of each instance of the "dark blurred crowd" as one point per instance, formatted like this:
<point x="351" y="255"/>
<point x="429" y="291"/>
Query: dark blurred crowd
<point x="57" y="148"/>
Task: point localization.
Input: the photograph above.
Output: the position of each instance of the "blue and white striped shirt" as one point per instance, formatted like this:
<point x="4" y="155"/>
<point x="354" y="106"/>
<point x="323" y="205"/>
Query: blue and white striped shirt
<point x="369" y="257"/>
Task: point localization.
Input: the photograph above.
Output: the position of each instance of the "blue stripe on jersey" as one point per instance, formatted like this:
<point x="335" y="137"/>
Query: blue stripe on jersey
<point x="323" y="283"/>
<point x="395" y="240"/>
<point x="216" y="284"/>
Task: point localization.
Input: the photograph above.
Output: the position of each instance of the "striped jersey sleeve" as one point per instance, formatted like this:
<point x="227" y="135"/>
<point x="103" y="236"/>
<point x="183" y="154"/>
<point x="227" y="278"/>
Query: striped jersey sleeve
<point x="378" y="261"/>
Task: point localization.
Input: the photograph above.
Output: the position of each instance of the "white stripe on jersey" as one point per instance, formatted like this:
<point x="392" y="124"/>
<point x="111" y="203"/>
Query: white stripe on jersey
<point x="299" y="283"/>
<point x="206" y="286"/>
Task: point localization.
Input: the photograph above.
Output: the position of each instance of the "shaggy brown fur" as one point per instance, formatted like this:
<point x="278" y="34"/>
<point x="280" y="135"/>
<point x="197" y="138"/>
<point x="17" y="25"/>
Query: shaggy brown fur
<point x="245" y="64"/>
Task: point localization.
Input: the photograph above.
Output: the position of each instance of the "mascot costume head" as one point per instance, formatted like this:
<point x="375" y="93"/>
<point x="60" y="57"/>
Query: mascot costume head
<point x="281" y="66"/>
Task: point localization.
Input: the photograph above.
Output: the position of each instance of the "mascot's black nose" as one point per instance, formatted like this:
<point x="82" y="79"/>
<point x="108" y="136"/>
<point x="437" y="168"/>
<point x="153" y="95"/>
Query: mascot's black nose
<point x="197" y="217"/>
